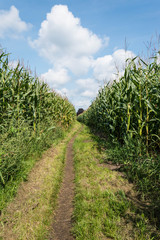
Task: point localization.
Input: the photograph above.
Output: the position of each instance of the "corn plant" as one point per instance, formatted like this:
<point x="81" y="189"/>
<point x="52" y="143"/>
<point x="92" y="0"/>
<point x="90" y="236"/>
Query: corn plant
<point x="129" y="108"/>
<point x="127" y="112"/>
<point x="27" y="105"/>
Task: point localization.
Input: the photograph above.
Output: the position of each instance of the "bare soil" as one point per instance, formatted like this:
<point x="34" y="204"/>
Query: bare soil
<point x="61" y="229"/>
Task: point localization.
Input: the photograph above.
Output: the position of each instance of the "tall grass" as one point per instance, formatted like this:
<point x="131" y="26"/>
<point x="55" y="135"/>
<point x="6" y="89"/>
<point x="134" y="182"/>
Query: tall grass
<point x="31" y="117"/>
<point x="127" y="112"/>
<point x="129" y="108"/>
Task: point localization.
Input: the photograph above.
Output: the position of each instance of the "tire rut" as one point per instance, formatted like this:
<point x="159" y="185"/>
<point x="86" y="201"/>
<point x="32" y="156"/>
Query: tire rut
<point x="61" y="229"/>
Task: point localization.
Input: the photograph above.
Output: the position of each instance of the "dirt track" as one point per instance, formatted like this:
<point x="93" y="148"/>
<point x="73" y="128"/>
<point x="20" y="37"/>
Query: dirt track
<point x="63" y="215"/>
<point x="31" y="212"/>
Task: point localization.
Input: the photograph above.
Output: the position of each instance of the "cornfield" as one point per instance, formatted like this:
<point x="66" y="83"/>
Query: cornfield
<point x="29" y="112"/>
<point x="127" y="114"/>
<point x="130" y="108"/>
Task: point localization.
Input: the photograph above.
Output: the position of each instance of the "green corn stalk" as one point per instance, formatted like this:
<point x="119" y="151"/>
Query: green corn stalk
<point x="147" y="120"/>
<point x="128" y="116"/>
<point x="120" y="106"/>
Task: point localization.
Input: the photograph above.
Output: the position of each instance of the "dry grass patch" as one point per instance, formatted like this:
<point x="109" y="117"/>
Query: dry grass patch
<point x="30" y="214"/>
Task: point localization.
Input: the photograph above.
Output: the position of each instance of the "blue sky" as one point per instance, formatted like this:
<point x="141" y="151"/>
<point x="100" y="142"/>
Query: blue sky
<point x="77" y="45"/>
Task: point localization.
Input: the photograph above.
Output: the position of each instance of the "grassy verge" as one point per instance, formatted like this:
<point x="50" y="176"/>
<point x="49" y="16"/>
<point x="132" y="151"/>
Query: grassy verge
<point x="143" y="170"/>
<point x="30" y="214"/>
<point x="104" y="200"/>
<point x="27" y="152"/>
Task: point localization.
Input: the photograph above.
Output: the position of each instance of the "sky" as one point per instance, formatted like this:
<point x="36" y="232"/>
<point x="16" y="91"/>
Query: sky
<point x="77" y="46"/>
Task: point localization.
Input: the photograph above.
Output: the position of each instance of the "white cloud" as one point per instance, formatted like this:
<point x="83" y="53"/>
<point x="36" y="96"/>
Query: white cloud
<point x="69" y="93"/>
<point x="65" y="43"/>
<point x="120" y="56"/>
<point x="11" y="24"/>
<point x="82" y="103"/>
<point x="87" y="88"/>
<point x="107" y="67"/>
<point x="87" y="83"/>
<point x="88" y="93"/>
<point x="82" y="93"/>
<point x="70" y="48"/>
<point x="56" y="78"/>
<point x="78" y="66"/>
<point x="103" y="68"/>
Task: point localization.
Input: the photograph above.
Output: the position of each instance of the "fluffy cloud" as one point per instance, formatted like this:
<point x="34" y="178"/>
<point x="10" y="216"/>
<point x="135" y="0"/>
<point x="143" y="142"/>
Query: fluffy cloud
<point x="107" y="67"/>
<point x="120" y="56"/>
<point x="71" y="48"/>
<point x="87" y="84"/>
<point x="87" y="88"/>
<point x="64" y="42"/>
<point x="103" y="68"/>
<point x="56" y="78"/>
<point x="89" y="93"/>
<point x="82" y="103"/>
<point x="82" y="93"/>
<point x="10" y="23"/>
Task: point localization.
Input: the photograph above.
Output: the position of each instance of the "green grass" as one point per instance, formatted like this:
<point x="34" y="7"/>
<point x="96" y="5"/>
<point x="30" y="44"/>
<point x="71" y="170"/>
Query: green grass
<point x="30" y="216"/>
<point x="102" y="210"/>
<point x="28" y="155"/>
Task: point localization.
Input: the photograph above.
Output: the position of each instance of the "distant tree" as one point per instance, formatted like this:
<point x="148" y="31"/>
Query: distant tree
<point x="80" y="110"/>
